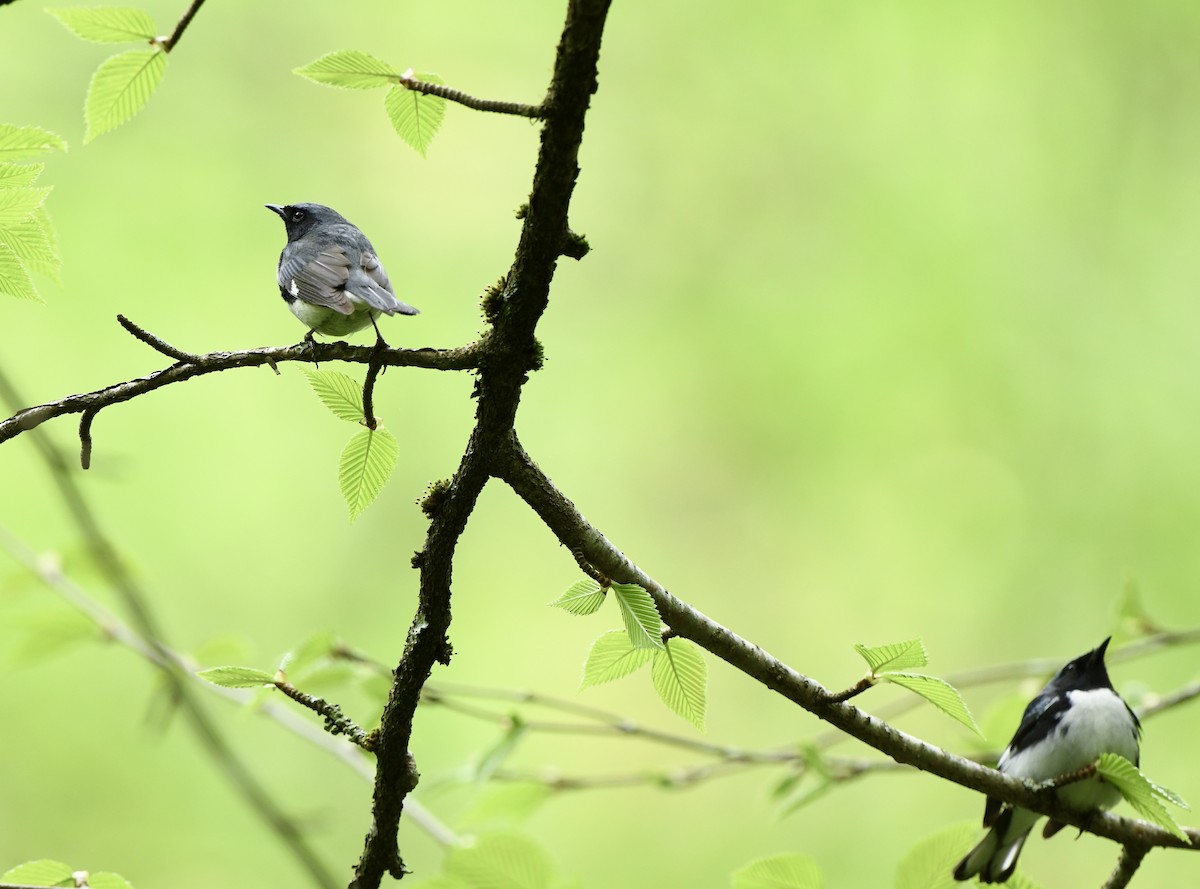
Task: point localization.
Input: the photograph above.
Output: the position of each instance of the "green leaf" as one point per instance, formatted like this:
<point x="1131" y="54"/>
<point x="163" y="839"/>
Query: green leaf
<point x="42" y="872"/>
<point x="367" y="461"/>
<point x="19" y="175"/>
<point x="494" y="757"/>
<point x="641" y="618"/>
<point x="107" y="880"/>
<point x="928" y="864"/>
<point x="500" y="861"/>
<point x="18" y="204"/>
<point x="308" y="652"/>
<point x="415" y="116"/>
<point x="338" y="392"/>
<point x="237" y="677"/>
<point x="350" y="69"/>
<point x="107" y="24"/>
<point x="14" y="279"/>
<point x="896" y="656"/>
<point x="680" y="678"/>
<point x="584" y="597"/>
<point x="779" y="872"/>
<point x="49" y="631"/>
<point x="120" y="87"/>
<point x="1144" y="795"/>
<point x="611" y="657"/>
<point x="17" y="143"/>
<point x="938" y="692"/>
<point x="32" y="243"/>
<point x="507" y="803"/>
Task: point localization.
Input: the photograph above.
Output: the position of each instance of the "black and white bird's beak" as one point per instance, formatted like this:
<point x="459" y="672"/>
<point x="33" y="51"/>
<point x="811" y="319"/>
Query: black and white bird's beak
<point x="276" y="209"/>
<point x="1096" y="657"/>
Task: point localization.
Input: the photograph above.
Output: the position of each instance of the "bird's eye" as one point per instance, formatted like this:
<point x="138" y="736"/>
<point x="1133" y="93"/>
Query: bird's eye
<point x="297" y="215"/>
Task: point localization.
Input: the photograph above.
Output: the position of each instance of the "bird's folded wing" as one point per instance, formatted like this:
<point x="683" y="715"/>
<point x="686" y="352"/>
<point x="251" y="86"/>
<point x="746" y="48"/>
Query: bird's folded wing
<point x="320" y="280"/>
<point x="371" y="284"/>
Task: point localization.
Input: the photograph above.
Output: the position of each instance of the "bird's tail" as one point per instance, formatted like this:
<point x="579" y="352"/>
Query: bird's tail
<point x="995" y="857"/>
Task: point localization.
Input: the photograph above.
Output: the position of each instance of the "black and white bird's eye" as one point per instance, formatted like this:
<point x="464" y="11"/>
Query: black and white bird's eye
<point x="297" y="215"/>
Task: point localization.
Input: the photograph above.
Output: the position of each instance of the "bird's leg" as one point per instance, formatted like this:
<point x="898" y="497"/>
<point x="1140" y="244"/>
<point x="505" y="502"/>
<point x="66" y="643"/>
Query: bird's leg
<point x="312" y="346"/>
<point x="380" y="342"/>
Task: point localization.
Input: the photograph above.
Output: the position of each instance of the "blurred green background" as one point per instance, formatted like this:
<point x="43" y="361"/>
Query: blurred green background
<point x="889" y="330"/>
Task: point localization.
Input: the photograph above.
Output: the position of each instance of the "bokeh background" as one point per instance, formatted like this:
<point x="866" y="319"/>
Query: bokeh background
<point x="889" y="330"/>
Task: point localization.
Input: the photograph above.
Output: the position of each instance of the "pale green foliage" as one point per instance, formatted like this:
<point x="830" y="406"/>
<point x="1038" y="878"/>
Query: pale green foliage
<point x="42" y="872"/>
<point x="896" y="656"/>
<point x="350" y="69"/>
<point x="120" y="87"/>
<point x="680" y="678"/>
<point x="338" y="392"/>
<point x="493" y="757"/>
<point x="779" y="872"/>
<point x="611" y="657"/>
<point x="312" y="650"/>
<point x="415" y="116"/>
<point x="507" y="803"/>
<point x="1144" y="795"/>
<point x="18" y="143"/>
<point x="105" y="880"/>
<point x="500" y="861"/>
<point x="19" y="175"/>
<point x="367" y="461"/>
<point x="639" y="614"/>
<point x="106" y="24"/>
<point x="584" y="597"/>
<point x="236" y="677"/>
<point x="18" y="204"/>
<point x="930" y="863"/>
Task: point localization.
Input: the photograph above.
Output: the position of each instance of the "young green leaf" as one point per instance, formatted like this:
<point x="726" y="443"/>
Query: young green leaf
<point x="680" y="678"/>
<point x="938" y="692"/>
<point x="507" y="803"/>
<point x="642" y="622"/>
<point x="17" y="143"/>
<point x="338" y="392"/>
<point x="313" y="649"/>
<point x="494" y="757"/>
<point x="120" y="87"/>
<point x="14" y="279"/>
<point x="42" y="872"/>
<point x="350" y="69"/>
<point x="367" y="461"/>
<point x="415" y="116"/>
<point x="896" y="656"/>
<point x="611" y="657"/>
<point x="236" y="677"/>
<point x="584" y="597"/>
<point x="107" y="880"/>
<point x="18" y="204"/>
<point x="1141" y="793"/>
<point x="500" y="861"/>
<point x="107" y="24"/>
<point x="30" y="242"/>
<point x="19" y="175"/>
<point x="779" y="872"/>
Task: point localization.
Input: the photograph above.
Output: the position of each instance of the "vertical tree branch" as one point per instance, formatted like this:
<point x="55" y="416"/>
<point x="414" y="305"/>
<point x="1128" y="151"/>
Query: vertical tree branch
<point x="1127" y="865"/>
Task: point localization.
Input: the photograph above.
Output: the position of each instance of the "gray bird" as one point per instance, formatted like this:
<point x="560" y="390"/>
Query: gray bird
<point x="329" y="274"/>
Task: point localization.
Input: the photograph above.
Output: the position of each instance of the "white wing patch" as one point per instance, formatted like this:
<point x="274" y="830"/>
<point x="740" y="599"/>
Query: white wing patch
<point x="294" y="290"/>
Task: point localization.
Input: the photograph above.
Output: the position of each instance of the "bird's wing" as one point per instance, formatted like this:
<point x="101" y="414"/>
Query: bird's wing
<point x="1040" y="719"/>
<point x="370" y="283"/>
<point x="320" y="280"/>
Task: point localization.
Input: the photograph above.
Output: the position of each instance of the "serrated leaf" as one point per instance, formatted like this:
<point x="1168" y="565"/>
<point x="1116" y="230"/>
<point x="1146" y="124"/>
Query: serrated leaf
<point x="42" y="872"/>
<point x="1138" y="791"/>
<point x="107" y="24"/>
<point x="17" y="143"/>
<point x="896" y="656"/>
<point x="367" y="462"/>
<point x="236" y="677"/>
<point x="338" y="392"/>
<point x="929" y="863"/>
<point x="31" y="242"/>
<point x="308" y="652"/>
<point x="350" y="69"/>
<point x="120" y="87"/>
<point x="506" y="803"/>
<point x="680" y="677"/>
<point x="938" y="692"/>
<point x="18" y="204"/>
<point x="611" y="657"/>
<point x="20" y="175"/>
<point x="14" y="279"/>
<point x="500" y="861"/>
<point x="779" y="872"/>
<point x="108" y="880"/>
<point x="639" y="614"/>
<point x="415" y="116"/>
<point x="583" y="597"/>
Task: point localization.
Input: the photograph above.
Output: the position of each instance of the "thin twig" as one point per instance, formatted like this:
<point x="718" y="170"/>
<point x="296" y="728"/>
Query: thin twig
<point x="158" y="345"/>
<point x="409" y="81"/>
<point x="1127" y="864"/>
<point x="373" y="369"/>
<point x="854" y="690"/>
<point x="168" y="43"/>
<point x="336" y="722"/>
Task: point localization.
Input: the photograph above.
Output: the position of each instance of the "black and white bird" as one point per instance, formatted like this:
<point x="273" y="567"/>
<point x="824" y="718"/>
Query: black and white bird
<point x="1076" y="717"/>
<point x="330" y="275"/>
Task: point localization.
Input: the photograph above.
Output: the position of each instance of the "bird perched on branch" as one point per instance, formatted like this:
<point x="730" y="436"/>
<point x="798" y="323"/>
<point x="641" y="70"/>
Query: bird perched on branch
<point x="330" y="275"/>
<point x="1076" y="717"/>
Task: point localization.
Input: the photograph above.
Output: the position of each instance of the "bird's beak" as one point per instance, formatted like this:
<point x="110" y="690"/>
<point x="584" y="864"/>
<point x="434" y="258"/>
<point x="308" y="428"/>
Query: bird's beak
<point x="276" y="209"/>
<point x="1097" y="657"/>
